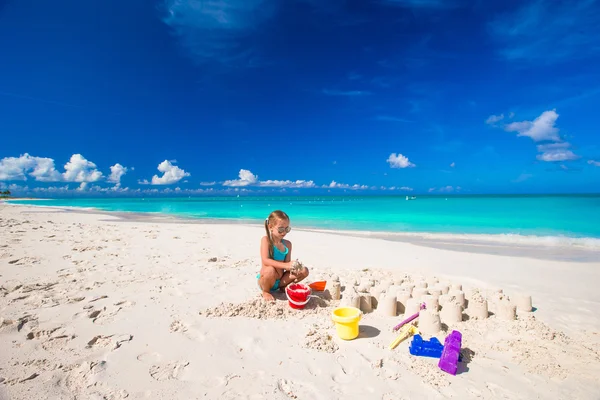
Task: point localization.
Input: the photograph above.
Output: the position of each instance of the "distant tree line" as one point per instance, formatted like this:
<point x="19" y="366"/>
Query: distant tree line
<point x="4" y="194"/>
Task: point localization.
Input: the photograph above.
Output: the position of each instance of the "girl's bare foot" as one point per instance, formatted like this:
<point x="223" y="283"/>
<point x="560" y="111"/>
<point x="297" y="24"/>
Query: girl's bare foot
<point x="268" y="296"/>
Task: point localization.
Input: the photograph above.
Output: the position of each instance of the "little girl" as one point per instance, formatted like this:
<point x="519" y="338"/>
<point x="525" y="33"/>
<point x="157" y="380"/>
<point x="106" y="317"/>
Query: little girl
<point x="276" y="253"/>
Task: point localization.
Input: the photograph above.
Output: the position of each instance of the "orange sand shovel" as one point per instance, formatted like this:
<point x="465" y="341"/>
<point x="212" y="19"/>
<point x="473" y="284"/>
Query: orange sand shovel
<point x="319" y="286"/>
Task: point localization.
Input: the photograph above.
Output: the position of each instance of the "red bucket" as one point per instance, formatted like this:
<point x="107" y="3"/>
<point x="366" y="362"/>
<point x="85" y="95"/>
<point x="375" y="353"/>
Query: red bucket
<point x="298" y="295"/>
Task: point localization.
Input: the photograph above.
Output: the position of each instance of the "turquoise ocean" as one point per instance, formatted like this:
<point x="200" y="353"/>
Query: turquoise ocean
<point x="574" y="219"/>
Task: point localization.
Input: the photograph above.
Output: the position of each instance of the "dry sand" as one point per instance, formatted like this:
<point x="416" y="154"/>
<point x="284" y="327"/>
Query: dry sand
<point x="95" y="307"/>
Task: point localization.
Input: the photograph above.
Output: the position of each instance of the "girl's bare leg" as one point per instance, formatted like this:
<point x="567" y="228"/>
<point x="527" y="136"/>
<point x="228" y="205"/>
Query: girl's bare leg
<point x="268" y="276"/>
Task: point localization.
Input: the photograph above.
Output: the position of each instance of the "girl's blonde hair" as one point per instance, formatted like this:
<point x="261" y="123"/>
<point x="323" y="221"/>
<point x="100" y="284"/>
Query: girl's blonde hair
<point x="275" y="216"/>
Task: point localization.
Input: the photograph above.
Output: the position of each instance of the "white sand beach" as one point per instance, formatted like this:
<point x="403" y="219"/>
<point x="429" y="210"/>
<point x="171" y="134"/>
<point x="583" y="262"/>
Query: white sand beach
<point x="93" y="306"/>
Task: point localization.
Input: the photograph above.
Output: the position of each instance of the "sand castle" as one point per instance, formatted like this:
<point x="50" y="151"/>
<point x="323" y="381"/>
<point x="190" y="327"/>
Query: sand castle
<point x="446" y="303"/>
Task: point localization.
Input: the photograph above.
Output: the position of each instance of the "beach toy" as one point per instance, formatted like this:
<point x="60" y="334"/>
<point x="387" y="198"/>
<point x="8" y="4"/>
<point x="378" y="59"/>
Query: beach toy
<point x="407" y="320"/>
<point x="346" y="322"/>
<point x="319" y="286"/>
<point x="449" y="358"/>
<point x="298" y="295"/>
<point x="405" y="332"/>
<point x="425" y="348"/>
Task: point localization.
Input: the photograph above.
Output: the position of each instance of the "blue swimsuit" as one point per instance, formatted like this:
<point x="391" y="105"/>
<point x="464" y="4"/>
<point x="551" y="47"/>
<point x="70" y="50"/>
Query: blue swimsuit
<point x="278" y="255"/>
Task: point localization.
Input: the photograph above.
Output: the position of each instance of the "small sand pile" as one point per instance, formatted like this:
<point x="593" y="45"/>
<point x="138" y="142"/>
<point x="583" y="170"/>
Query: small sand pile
<point x="260" y="309"/>
<point x="319" y="339"/>
<point x="528" y="325"/>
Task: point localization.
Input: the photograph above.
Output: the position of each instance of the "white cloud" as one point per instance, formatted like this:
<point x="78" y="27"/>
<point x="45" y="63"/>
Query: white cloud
<point x="17" y="188"/>
<point x="431" y="190"/>
<point x="171" y="174"/>
<point x="213" y="183"/>
<point x="116" y="173"/>
<point x="44" y="171"/>
<point x="336" y="185"/>
<point x="493" y="119"/>
<point x="288" y="184"/>
<point x="555" y="152"/>
<point x="17" y="169"/>
<point x="452" y="165"/>
<point x="246" y="178"/>
<point x="540" y="129"/>
<point x="52" y="189"/>
<point x="595" y="163"/>
<point x="78" y="169"/>
<point x="399" y="161"/>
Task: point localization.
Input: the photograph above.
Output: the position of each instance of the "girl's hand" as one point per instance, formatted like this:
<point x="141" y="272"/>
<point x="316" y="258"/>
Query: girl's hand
<point x="297" y="268"/>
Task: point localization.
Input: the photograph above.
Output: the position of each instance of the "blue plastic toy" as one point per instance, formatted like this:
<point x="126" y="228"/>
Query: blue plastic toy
<point x="425" y="348"/>
<point x="451" y="354"/>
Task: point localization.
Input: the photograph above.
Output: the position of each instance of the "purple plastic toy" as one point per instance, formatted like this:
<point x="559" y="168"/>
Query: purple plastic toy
<point x="449" y="359"/>
<point x="409" y="319"/>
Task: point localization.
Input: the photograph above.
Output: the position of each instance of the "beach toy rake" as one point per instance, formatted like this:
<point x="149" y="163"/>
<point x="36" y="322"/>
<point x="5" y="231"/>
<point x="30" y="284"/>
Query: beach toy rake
<point x="409" y="319"/>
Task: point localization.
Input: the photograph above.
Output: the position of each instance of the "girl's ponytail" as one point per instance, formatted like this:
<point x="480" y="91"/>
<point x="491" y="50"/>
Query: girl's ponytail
<point x="269" y="237"/>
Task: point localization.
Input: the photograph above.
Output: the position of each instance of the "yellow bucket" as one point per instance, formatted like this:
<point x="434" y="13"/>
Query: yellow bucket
<point x="346" y="321"/>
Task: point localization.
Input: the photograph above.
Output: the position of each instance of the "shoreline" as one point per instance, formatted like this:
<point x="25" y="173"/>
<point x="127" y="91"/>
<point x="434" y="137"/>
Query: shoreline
<point x="560" y="248"/>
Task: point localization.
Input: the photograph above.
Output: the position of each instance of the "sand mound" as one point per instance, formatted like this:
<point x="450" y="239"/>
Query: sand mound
<point x="261" y="309"/>
<point x="319" y="339"/>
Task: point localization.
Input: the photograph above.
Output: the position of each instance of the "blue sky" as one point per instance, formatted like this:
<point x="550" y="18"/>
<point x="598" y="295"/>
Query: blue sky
<point x="299" y="96"/>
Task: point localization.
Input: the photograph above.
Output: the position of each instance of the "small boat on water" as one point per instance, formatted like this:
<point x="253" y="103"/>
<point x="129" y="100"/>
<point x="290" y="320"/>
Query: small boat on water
<point x="411" y="197"/>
